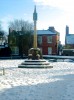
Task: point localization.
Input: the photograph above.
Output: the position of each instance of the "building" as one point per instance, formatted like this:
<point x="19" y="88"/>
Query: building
<point x="69" y="43"/>
<point x="19" y="42"/>
<point x="4" y="49"/>
<point x="13" y="42"/>
<point x="48" y="41"/>
<point x="69" y="39"/>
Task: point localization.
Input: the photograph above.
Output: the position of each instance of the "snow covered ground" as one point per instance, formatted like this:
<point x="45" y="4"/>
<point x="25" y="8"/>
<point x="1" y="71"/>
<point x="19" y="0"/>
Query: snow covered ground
<point x="55" y="83"/>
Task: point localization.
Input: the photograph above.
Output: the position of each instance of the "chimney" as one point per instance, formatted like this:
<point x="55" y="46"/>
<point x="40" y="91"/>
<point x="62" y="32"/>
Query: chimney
<point x="67" y="29"/>
<point x="10" y="30"/>
<point x="52" y="29"/>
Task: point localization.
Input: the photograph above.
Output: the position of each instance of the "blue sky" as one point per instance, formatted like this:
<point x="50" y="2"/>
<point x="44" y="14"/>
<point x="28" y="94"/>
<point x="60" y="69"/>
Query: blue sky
<point x="57" y="13"/>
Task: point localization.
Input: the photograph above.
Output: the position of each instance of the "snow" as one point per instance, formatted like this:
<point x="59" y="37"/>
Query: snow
<point x="55" y="83"/>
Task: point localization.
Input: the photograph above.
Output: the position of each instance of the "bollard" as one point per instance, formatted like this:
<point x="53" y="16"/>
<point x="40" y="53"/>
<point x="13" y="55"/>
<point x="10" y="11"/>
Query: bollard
<point x="3" y="71"/>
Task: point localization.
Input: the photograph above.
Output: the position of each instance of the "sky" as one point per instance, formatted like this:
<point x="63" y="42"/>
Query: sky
<point x="57" y="13"/>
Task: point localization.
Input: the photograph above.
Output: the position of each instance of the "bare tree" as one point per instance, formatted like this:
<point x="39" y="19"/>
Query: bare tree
<point x="0" y="26"/>
<point x="2" y="32"/>
<point x="25" y="30"/>
<point x="18" y="24"/>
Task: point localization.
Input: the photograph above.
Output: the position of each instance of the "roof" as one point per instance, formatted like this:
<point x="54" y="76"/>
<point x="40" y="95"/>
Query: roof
<point x="41" y="32"/>
<point x="70" y="39"/>
<point x="2" y="46"/>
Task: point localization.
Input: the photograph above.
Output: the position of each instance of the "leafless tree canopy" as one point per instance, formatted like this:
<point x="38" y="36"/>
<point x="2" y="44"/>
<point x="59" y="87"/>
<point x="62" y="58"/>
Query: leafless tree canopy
<point x="17" y="25"/>
<point x="2" y="33"/>
<point x="0" y="26"/>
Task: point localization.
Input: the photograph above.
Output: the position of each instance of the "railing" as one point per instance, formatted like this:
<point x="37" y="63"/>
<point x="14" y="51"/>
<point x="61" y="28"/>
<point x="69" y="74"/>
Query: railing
<point x="57" y="57"/>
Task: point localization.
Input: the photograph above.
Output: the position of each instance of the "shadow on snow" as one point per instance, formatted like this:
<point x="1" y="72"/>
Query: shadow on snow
<point x="54" y="90"/>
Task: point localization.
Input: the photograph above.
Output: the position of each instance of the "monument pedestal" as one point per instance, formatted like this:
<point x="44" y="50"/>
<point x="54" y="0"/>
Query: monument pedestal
<point x="35" y="60"/>
<point x="29" y="63"/>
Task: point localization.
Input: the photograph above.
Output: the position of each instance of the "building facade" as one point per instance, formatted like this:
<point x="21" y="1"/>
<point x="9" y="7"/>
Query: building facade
<point x="69" y="39"/>
<point x="13" y="42"/>
<point x="69" y="43"/>
<point x="48" y="41"/>
<point x="18" y="42"/>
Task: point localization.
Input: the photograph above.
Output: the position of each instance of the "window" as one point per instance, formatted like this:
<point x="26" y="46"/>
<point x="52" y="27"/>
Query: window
<point x="49" y="50"/>
<point x="49" y="39"/>
<point x="40" y="39"/>
<point x="15" y="50"/>
<point x="41" y="50"/>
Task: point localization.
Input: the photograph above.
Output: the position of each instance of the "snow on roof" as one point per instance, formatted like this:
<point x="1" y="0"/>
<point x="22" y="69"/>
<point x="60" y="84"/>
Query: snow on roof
<point x="70" y="39"/>
<point x="2" y="46"/>
<point x="40" y="32"/>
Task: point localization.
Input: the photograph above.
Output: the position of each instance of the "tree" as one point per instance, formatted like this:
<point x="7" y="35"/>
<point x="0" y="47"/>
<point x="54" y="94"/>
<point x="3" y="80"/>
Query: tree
<point x="25" y="30"/>
<point x="2" y="32"/>
<point x="17" y="25"/>
<point x="26" y="41"/>
<point x="0" y="25"/>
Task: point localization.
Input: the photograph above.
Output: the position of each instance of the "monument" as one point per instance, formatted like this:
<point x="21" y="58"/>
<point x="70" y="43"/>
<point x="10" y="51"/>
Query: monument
<point x="35" y="53"/>
<point x="35" y="59"/>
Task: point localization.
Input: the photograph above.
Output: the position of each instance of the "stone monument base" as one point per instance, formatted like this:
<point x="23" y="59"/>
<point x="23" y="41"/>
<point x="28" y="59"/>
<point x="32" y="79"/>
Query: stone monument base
<point x="29" y="63"/>
<point x="35" y="60"/>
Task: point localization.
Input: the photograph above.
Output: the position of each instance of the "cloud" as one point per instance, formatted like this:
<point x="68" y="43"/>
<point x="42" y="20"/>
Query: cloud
<point x="66" y="5"/>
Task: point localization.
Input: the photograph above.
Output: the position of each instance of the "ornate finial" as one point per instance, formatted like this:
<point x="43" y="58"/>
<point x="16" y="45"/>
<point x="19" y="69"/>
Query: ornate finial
<point x="35" y="14"/>
<point x="35" y="9"/>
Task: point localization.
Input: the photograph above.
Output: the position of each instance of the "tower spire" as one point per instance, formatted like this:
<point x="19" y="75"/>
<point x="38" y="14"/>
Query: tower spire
<point x="35" y="14"/>
<point x="35" y="9"/>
